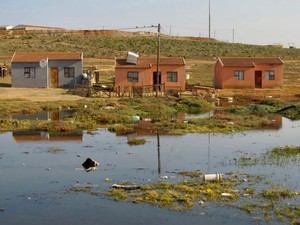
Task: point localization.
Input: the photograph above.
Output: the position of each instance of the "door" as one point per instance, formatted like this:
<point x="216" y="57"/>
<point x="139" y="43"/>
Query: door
<point x="54" y="77"/>
<point x="155" y="81"/>
<point x="258" y="79"/>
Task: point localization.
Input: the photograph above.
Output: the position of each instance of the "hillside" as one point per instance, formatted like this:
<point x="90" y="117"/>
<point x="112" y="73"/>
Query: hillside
<point x="108" y="44"/>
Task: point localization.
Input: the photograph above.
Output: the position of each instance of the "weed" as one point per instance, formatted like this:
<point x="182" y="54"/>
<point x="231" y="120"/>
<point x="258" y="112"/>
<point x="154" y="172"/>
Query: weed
<point x="276" y="193"/>
<point x="55" y="150"/>
<point x="136" y="141"/>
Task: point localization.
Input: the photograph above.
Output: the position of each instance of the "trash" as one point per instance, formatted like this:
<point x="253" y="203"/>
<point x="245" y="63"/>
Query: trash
<point x="211" y="177"/>
<point x="201" y="202"/>
<point x="126" y="186"/>
<point x="164" y="177"/>
<point x="231" y="123"/>
<point x="136" y="118"/>
<point x="147" y="119"/>
<point x="48" y="168"/>
<point x="2" y="209"/>
<point x="227" y="99"/>
<point x="129" y="153"/>
<point x="90" y="164"/>
<point x="226" y="194"/>
<point x="107" y="179"/>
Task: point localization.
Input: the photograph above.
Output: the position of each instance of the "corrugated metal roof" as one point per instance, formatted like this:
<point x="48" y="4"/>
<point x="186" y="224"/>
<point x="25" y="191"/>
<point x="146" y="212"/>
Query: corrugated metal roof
<point x="25" y="26"/>
<point x="36" y="57"/>
<point x="147" y="62"/>
<point x="250" y="62"/>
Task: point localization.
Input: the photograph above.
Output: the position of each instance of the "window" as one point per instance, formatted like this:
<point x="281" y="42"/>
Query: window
<point x="172" y="77"/>
<point x="239" y="74"/>
<point x="270" y="75"/>
<point x="69" y="72"/>
<point x="29" y="72"/>
<point x="133" y="77"/>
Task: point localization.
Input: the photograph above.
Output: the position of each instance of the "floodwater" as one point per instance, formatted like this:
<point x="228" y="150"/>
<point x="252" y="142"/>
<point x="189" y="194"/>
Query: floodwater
<point x="33" y="180"/>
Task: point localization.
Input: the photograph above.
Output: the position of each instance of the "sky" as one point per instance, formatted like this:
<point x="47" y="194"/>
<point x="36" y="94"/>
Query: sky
<point x="261" y="22"/>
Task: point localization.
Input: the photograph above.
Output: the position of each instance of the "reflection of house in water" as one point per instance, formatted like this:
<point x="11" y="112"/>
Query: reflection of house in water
<point x="45" y="115"/>
<point x="276" y="122"/>
<point x="23" y="136"/>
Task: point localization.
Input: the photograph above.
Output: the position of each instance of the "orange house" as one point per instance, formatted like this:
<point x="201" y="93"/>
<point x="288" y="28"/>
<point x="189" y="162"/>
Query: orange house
<point x="141" y="71"/>
<point x="248" y="72"/>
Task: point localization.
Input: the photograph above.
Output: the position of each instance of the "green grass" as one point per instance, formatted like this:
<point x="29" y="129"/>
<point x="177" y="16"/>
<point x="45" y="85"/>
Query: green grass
<point x="109" y="47"/>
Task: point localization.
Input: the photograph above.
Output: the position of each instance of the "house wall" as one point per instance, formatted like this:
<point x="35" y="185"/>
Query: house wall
<point x="146" y="76"/>
<point x="224" y="76"/>
<point x="62" y="81"/>
<point x="278" y="82"/>
<point x="172" y="68"/>
<point x="42" y="78"/>
<point x="18" y="79"/>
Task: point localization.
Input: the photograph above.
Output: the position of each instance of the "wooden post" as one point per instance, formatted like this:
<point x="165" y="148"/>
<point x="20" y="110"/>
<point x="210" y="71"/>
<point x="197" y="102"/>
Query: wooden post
<point x="158" y="55"/>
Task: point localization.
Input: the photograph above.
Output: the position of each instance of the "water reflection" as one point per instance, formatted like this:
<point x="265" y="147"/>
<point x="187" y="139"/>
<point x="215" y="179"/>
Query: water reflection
<point x="32" y="135"/>
<point x="45" y="115"/>
<point x="23" y="168"/>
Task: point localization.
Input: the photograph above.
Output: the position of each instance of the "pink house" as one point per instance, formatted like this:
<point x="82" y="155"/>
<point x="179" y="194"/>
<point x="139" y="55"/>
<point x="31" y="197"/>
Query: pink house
<point x="141" y="71"/>
<point x="248" y="72"/>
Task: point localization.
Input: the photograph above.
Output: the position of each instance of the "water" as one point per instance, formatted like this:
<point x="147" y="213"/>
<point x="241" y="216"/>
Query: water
<point x="33" y="180"/>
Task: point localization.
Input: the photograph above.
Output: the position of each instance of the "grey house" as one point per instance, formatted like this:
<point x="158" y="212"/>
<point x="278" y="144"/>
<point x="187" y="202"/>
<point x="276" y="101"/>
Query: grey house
<point x="46" y="70"/>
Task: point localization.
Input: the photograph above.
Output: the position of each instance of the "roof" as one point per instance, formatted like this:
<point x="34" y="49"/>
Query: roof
<point x="5" y="27"/>
<point x="250" y="61"/>
<point x="148" y="62"/>
<point x="36" y="56"/>
<point x="25" y="26"/>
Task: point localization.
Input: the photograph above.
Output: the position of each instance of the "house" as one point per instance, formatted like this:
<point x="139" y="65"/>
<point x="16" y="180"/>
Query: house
<point x="6" y="27"/>
<point x="46" y="69"/>
<point x="141" y="71"/>
<point x="248" y="72"/>
<point x="32" y="27"/>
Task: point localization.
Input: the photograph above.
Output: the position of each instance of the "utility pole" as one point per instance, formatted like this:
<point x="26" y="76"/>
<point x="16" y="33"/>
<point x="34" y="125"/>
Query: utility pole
<point x="157" y="62"/>
<point x="209" y="19"/>
<point x="232" y="35"/>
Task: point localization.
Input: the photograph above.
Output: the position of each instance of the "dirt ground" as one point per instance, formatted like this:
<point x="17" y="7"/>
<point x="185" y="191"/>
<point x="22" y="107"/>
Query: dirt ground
<point x="56" y="94"/>
<point x="34" y="94"/>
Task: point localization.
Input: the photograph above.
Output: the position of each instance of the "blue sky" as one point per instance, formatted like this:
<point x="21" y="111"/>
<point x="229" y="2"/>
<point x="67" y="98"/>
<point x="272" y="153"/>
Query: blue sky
<point x="255" y="22"/>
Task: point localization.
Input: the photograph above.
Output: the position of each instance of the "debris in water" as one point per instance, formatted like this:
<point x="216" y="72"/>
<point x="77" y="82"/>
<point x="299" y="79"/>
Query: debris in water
<point x="107" y="179"/>
<point x="90" y="164"/>
<point x="126" y="186"/>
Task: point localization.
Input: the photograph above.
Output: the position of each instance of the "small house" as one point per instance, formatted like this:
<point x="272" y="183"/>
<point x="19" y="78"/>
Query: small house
<point x="138" y="71"/>
<point x="36" y="28"/>
<point x="248" y="72"/>
<point x="6" y="27"/>
<point x="46" y="70"/>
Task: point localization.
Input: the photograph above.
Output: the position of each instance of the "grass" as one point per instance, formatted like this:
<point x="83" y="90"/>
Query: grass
<point x="55" y="150"/>
<point x="117" y="115"/>
<point x="279" y="156"/>
<point x="182" y="195"/>
<point x="278" y="193"/>
<point x="110" y="46"/>
<point x="136" y="141"/>
<point x="177" y="196"/>
<point x="287" y="151"/>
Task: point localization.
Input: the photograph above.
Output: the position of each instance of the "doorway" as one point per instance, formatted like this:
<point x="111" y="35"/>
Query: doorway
<point x="54" y="77"/>
<point x="155" y="81"/>
<point x="258" y="79"/>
